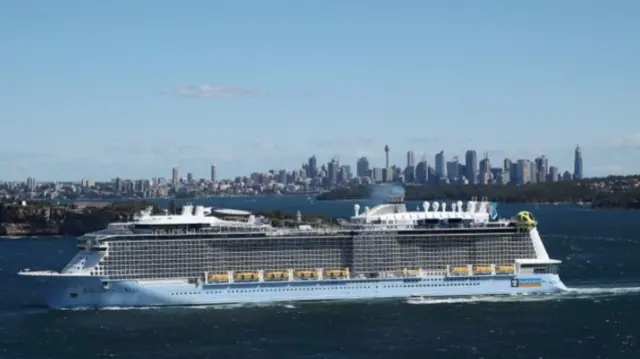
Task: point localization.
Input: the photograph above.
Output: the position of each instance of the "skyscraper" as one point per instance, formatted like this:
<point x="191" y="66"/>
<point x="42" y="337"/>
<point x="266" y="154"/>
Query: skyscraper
<point x="333" y="171"/>
<point x="411" y="160"/>
<point x="485" y="170"/>
<point x="410" y="170"/>
<point x="174" y="177"/>
<point x="362" y="167"/>
<point x="213" y="173"/>
<point x="577" y="164"/>
<point x="312" y="169"/>
<point x="542" y="168"/>
<point x="386" y="154"/>
<point x="471" y="162"/>
<point x="453" y="169"/>
<point x="422" y="172"/>
<point x="441" y="170"/>
<point x="523" y="172"/>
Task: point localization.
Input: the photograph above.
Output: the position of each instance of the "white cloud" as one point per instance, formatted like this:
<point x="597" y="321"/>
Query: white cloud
<point x="424" y="140"/>
<point x="259" y="146"/>
<point x="341" y="142"/>
<point x="154" y="149"/>
<point x="628" y="141"/>
<point x="217" y="91"/>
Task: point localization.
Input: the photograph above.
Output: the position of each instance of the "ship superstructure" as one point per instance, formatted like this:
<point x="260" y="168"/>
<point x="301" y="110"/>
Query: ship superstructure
<point x="194" y="258"/>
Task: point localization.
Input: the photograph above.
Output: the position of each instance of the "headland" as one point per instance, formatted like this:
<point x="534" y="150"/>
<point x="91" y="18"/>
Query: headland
<point x="48" y="219"/>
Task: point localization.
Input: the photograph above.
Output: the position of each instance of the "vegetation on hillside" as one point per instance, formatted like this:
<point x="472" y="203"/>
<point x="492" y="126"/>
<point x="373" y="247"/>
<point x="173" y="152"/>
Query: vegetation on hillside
<point x="41" y="218"/>
<point x="622" y="192"/>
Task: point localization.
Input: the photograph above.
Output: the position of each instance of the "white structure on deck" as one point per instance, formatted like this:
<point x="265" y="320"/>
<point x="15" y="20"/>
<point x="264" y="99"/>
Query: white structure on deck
<point x="193" y="215"/>
<point x="396" y="213"/>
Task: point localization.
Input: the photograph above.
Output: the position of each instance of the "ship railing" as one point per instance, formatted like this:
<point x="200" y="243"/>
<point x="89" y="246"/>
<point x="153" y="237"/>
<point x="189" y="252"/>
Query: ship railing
<point x="267" y="230"/>
<point x="440" y="226"/>
<point x="306" y="232"/>
<point x="271" y="231"/>
<point x="236" y="228"/>
<point x="216" y="229"/>
<point x="119" y="225"/>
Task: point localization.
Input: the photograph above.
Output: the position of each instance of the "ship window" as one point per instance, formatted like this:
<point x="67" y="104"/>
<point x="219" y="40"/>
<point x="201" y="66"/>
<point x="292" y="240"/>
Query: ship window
<point x="541" y="268"/>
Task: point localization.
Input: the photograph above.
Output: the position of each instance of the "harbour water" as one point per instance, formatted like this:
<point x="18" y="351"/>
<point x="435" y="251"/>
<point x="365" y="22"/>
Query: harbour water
<point x="597" y="319"/>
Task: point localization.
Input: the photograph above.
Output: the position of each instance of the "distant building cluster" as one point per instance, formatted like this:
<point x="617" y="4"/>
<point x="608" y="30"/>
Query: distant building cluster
<point x="469" y="171"/>
<point x="310" y="178"/>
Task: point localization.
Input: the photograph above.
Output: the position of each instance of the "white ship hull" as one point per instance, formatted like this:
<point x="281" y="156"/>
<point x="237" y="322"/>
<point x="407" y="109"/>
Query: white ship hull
<point x="60" y="291"/>
<point x="465" y="253"/>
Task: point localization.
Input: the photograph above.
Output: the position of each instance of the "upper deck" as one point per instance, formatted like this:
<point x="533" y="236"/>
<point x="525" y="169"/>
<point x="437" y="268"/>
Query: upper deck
<point x="476" y="213"/>
<point x="434" y="218"/>
<point x="387" y="237"/>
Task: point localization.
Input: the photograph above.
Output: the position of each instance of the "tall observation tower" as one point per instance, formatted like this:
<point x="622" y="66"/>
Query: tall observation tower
<point x="386" y="153"/>
<point x="577" y="164"/>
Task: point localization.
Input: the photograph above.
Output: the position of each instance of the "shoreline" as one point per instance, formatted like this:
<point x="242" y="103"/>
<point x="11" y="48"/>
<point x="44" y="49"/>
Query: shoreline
<point x="611" y="193"/>
<point x="49" y="220"/>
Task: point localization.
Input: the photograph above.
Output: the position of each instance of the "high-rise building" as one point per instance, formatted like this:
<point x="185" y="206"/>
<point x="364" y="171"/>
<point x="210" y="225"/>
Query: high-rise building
<point x="175" y="179"/>
<point x="484" y="171"/>
<point x="213" y="173"/>
<point x="387" y="175"/>
<point x="453" y="170"/>
<point x="31" y="184"/>
<point x="507" y="164"/>
<point x="333" y="172"/>
<point x="422" y="174"/>
<point x="523" y="172"/>
<point x="533" y="172"/>
<point x="312" y="169"/>
<point x="509" y="170"/>
<point x="471" y="162"/>
<point x="577" y="164"/>
<point x="377" y="174"/>
<point x="344" y="174"/>
<point x="411" y="160"/>
<point x="282" y="176"/>
<point x="554" y="174"/>
<point x="542" y="169"/>
<point x="410" y="174"/>
<point x="386" y="155"/>
<point x="362" y="167"/>
<point x="441" y="170"/>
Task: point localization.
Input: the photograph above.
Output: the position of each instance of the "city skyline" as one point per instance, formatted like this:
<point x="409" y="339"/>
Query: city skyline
<point x="471" y="164"/>
<point x="254" y="85"/>
<point x="311" y="177"/>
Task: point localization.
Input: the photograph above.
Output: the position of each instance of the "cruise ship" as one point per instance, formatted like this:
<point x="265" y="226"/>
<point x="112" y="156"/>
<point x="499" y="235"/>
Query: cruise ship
<point x="200" y="257"/>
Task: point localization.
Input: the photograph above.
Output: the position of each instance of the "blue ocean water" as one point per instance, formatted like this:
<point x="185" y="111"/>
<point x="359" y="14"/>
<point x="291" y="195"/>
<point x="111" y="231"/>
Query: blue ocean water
<point x="600" y="318"/>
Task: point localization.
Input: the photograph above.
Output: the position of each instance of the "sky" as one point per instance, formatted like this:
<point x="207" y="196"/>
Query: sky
<point x="132" y="88"/>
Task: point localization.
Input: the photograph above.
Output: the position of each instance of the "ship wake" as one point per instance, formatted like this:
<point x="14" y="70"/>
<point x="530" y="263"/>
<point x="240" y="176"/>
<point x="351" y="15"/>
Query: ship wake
<point x="592" y="293"/>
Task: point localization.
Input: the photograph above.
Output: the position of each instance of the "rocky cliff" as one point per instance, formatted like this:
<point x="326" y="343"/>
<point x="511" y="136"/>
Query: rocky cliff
<point x="49" y="219"/>
<point x="41" y="219"/>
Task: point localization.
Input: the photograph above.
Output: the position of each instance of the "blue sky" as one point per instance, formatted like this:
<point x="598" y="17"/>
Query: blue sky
<point x="100" y="89"/>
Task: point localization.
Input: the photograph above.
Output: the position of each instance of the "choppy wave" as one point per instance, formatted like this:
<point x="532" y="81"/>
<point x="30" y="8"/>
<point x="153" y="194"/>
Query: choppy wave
<point x="188" y="307"/>
<point x="573" y="293"/>
<point x="580" y="239"/>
